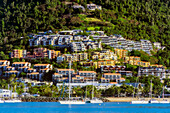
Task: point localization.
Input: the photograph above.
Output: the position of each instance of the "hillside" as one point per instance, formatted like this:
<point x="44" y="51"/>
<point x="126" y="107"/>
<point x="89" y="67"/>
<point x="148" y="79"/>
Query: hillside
<point x="142" y="19"/>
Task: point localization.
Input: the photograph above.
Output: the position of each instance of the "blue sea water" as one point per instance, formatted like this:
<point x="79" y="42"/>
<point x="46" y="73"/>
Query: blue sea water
<point x="55" y="107"/>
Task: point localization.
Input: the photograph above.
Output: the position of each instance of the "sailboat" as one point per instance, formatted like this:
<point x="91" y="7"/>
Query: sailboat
<point x="140" y="101"/>
<point x="152" y="100"/>
<point x="94" y="100"/>
<point x="69" y="101"/>
<point x="163" y="101"/>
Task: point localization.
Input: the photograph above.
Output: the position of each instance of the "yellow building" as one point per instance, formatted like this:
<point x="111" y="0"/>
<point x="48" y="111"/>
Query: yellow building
<point x="131" y="60"/>
<point x="97" y="64"/>
<point x="143" y="63"/>
<point x="17" y="53"/>
<point x="121" y="53"/>
<point x="106" y="63"/>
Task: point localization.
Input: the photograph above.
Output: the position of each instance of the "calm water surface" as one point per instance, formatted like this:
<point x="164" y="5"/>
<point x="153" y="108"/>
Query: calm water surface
<point x="55" y="107"/>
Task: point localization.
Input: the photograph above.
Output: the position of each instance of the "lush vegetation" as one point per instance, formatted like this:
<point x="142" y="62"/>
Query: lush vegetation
<point x="133" y="19"/>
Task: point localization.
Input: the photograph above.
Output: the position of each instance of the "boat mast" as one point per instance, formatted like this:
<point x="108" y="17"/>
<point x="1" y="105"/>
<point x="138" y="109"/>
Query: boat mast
<point x="69" y="78"/>
<point x="151" y="89"/>
<point x="163" y="93"/>
<point x="93" y="88"/>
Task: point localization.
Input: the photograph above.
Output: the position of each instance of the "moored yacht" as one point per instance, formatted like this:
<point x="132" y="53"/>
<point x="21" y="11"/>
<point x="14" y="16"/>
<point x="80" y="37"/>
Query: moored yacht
<point x="96" y="100"/>
<point x="164" y="101"/>
<point x="70" y="101"/>
<point x="141" y="101"/>
<point x="12" y="101"/>
<point x="152" y="101"/>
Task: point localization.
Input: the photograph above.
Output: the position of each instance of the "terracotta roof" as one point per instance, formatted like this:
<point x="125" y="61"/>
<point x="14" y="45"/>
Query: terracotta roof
<point x="112" y="74"/>
<point x="30" y="69"/>
<point x="23" y="67"/>
<point x="65" y="77"/>
<point x="65" y="69"/>
<point x="41" y="64"/>
<point x="3" y="60"/>
<point x="103" y="78"/>
<point x="33" y="73"/>
<point x="113" y="82"/>
<point x="44" y="69"/>
<point x="3" y="65"/>
<point x="77" y="75"/>
<point x="87" y="72"/>
<point x="56" y="74"/>
<point x="12" y="71"/>
<point x="20" y="62"/>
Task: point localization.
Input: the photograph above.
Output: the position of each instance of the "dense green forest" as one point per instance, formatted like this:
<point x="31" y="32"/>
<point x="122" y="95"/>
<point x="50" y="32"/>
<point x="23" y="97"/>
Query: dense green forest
<point x="133" y="19"/>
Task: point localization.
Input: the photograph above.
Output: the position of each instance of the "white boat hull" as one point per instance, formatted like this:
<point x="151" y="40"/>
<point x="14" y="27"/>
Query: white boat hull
<point x="72" y="102"/>
<point x="164" y="102"/>
<point x="96" y="101"/>
<point x="1" y="101"/>
<point x="12" y="101"/>
<point x="153" y="102"/>
<point x="139" y="102"/>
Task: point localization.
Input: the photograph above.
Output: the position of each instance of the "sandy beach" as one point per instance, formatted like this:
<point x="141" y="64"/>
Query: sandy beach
<point x="128" y="99"/>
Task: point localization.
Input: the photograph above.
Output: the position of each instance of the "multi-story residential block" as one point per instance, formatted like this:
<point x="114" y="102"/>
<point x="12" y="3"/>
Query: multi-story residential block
<point x="57" y="78"/>
<point x="30" y="70"/>
<point x="77" y="46"/>
<point x="44" y="53"/>
<point x="111" y="77"/>
<point x="18" y="53"/>
<point x="12" y="72"/>
<point x="92" y="44"/>
<point x="80" y="56"/>
<point x="152" y="70"/>
<point x="65" y="72"/>
<point x="104" y="55"/>
<point x="43" y="67"/>
<point x="137" y="45"/>
<point x="9" y="68"/>
<point x="110" y="68"/>
<point x="121" y="53"/>
<point x="72" y="57"/>
<point x="88" y="76"/>
<point x="43" y="40"/>
<point x="3" y="65"/>
<point x="146" y="46"/>
<point x="18" y="65"/>
<point x="122" y="44"/>
<point x="63" y="40"/>
<point x="125" y="73"/>
<point x="35" y="76"/>
<point x="107" y="62"/>
<point x="97" y="64"/>
<point x="142" y="63"/>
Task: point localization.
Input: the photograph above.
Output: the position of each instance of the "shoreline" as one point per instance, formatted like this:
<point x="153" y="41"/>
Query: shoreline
<point x="129" y="99"/>
<point x="105" y="99"/>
